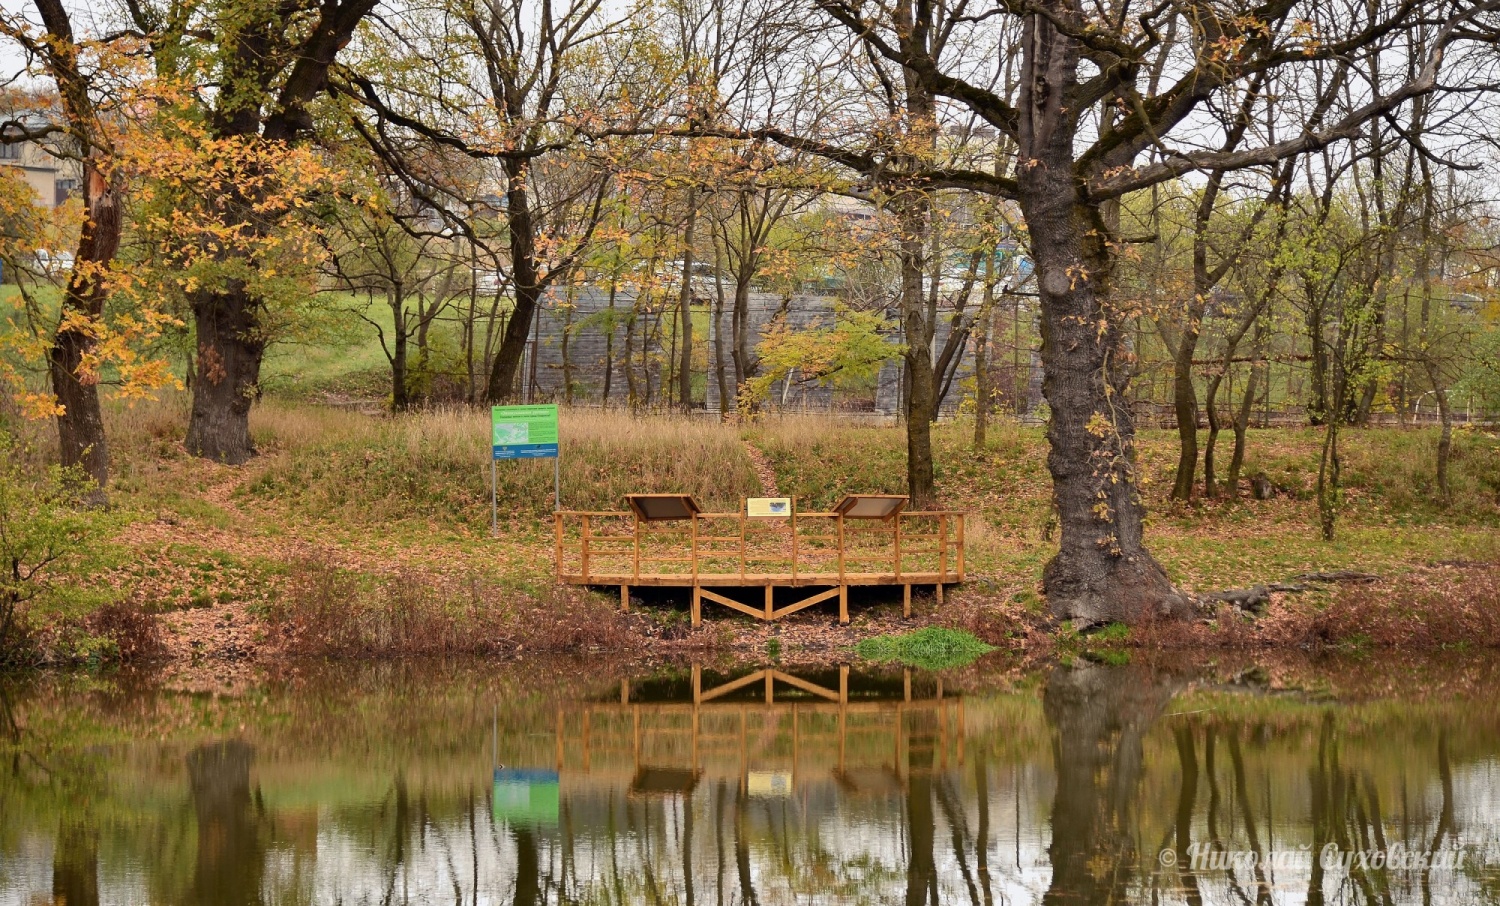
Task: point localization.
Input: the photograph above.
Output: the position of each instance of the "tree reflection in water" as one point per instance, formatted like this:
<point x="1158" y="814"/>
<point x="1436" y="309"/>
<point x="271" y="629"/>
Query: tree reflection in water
<point x="744" y="789"/>
<point x="1099" y="717"/>
<point x="231" y="855"/>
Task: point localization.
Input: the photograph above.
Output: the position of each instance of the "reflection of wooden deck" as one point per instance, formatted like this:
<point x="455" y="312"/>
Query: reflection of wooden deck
<point x="731" y="550"/>
<point x="720" y="732"/>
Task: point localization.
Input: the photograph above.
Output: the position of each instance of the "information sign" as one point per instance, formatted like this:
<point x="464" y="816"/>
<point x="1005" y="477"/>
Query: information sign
<point x="523" y="432"/>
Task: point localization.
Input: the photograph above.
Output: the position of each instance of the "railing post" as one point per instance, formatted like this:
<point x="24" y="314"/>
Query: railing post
<point x="840" y="518"/>
<point x="583" y="546"/>
<point x="942" y="547"/>
<point x="896" y="566"/>
<point x="693" y="549"/>
<point x="794" y="542"/>
<point x="960" y="545"/>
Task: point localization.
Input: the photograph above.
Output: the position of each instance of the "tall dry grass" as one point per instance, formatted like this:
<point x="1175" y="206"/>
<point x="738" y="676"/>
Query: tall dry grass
<point x="436" y="464"/>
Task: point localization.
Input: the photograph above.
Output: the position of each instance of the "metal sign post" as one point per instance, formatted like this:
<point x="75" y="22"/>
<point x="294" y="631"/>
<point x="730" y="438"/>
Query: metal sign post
<point x="523" y="432"/>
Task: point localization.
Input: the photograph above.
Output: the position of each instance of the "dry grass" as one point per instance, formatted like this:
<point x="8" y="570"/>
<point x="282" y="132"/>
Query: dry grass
<point x="133" y="630"/>
<point x="436" y="464"/>
<point x="1431" y="608"/>
<point x="334" y="613"/>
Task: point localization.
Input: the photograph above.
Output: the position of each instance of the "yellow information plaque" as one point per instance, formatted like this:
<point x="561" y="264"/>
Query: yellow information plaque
<point x="768" y="507"/>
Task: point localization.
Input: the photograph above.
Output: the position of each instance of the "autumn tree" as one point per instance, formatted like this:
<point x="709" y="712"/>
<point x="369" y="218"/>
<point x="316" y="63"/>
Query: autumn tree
<point x="1085" y="115"/>
<point x="250" y="72"/>
<point x="520" y="87"/>
<point x="71" y="360"/>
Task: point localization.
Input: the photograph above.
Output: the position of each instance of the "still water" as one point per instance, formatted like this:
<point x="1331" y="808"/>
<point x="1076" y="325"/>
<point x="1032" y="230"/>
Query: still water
<point x="568" y="782"/>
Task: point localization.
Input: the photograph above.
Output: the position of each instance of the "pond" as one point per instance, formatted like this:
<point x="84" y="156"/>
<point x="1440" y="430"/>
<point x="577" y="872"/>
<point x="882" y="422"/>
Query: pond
<point x="1374" y="781"/>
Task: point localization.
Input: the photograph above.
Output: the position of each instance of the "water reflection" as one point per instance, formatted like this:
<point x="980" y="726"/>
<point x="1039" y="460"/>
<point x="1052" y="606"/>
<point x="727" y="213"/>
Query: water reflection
<point x="556" y="784"/>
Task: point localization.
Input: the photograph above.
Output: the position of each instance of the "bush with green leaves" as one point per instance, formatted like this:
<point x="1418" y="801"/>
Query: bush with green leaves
<point x="41" y="520"/>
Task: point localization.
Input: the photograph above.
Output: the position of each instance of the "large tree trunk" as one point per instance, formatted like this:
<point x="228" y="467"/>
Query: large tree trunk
<point x="1102" y="571"/>
<point x="80" y="423"/>
<point x="230" y="349"/>
<point x="917" y="323"/>
<point x="526" y="280"/>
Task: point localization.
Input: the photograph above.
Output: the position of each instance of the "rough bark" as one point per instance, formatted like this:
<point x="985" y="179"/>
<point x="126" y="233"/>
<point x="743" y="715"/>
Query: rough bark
<point x="917" y="324"/>
<point x="1102" y="571"/>
<point x="227" y="373"/>
<point x="526" y="280"/>
<point x="271" y="76"/>
<point x="80" y="424"/>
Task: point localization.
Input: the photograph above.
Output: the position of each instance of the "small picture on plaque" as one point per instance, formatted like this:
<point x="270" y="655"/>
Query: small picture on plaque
<point x="768" y="507"/>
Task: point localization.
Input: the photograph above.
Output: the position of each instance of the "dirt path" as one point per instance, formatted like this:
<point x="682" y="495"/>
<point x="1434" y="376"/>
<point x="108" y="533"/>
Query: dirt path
<point x="763" y="470"/>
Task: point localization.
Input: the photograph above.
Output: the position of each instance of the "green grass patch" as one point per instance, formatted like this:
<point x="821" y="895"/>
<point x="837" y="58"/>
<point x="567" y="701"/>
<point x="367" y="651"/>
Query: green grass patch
<point x="932" y="648"/>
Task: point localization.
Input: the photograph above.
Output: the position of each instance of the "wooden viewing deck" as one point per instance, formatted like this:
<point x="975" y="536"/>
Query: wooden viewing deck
<point x="691" y="549"/>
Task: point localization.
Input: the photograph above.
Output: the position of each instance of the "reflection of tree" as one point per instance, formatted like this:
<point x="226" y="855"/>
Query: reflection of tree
<point x="1099" y="716"/>
<point x="1347" y="813"/>
<point x="921" y="870"/>
<point x="528" y="867"/>
<point x="1187" y="796"/>
<point x="75" y="864"/>
<point x="1242" y="794"/>
<point x="230" y="852"/>
<point x="742" y="851"/>
<point x="9" y="729"/>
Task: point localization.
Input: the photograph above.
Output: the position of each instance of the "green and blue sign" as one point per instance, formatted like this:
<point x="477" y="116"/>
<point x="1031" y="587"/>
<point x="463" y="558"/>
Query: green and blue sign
<point x="526" y="797"/>
<point x="523" y="432"/>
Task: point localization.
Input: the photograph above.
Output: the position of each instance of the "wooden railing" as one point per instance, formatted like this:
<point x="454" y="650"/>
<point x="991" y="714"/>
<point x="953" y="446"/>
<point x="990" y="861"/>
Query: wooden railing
<point x="813" y="548"/>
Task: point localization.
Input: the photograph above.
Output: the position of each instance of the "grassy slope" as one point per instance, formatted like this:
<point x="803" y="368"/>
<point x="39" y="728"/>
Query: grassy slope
<point x="375" y="496"/>
<point x="416" y="489"/>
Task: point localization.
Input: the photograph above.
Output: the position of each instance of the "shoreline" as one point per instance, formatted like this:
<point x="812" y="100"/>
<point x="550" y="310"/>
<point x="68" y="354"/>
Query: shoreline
<point x="227" y="639"/>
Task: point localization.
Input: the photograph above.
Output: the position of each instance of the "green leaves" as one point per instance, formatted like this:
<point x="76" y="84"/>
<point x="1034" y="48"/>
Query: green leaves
<point x="932" y="648"/>
<point x="847" y="353"/>
<point x="40" y="521"/>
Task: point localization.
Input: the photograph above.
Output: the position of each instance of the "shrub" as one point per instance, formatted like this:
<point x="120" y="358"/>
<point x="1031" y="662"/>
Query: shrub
<point x="40" y="522"/>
